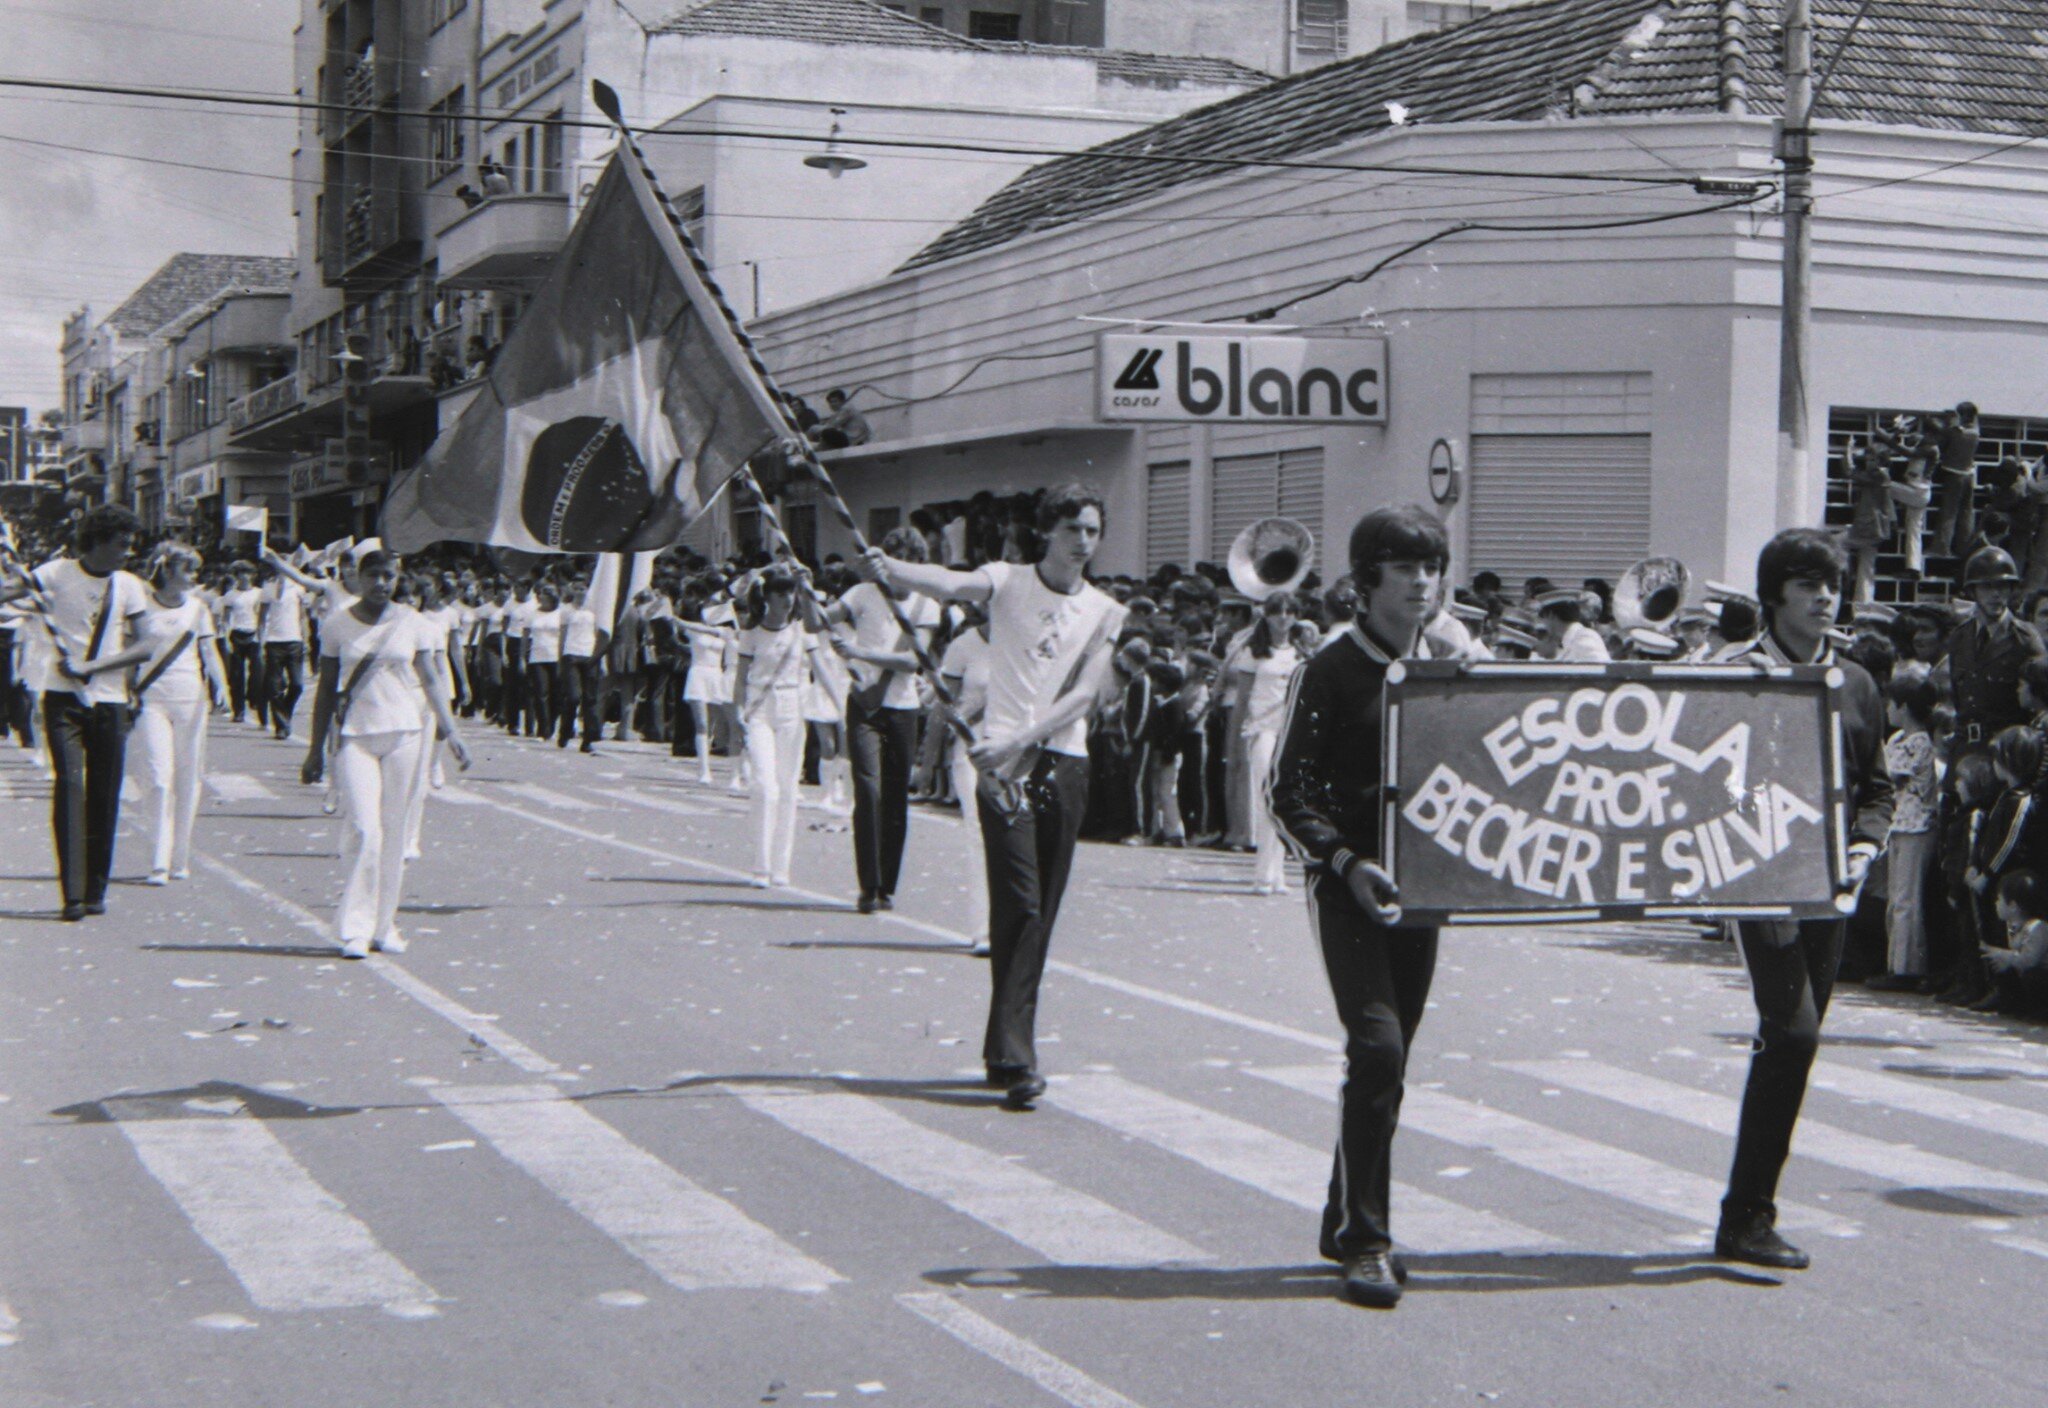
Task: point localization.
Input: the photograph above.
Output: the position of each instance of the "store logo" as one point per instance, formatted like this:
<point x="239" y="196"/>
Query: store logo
<point x="1143" y="372"/>
<point x="1271" y="391"/>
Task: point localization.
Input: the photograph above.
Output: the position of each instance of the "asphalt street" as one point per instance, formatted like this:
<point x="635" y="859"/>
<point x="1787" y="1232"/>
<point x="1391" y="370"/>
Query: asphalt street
<point x="620" y="1130"/>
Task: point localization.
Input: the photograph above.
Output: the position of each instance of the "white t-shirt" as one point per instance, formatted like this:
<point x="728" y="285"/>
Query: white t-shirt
<point x="1265" y="707"/>
<point x="490" y="619"/>
<point x="238" y="609"/>
<point x="1036" y="637"/>
<point x="76" y="599"/>
<point x="284" y="615"/>
<point x="579" y="631"/>
<point x="967" y="661"/>
<point x="777" y="670"/>
<point x="161" y="627"/>
<point x="875" y="628"/>
<point x="544" y="636"/>
<point x="1581" y="643"/>
<point x="519" y="615"/>
<point x="387" y="698"/>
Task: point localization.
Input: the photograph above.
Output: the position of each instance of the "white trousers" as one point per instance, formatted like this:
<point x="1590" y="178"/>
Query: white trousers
<point x="775" y="751"/>
<point x="416" y="805"/>
<point x="173" y="739"/>
<point x="966" y="785"/>
<point x="374" y="773"/>
<point x="1272" y="855"/>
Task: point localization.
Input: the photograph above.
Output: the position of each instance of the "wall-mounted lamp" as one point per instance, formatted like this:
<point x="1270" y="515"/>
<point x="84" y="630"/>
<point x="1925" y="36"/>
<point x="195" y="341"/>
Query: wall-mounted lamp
<point x="832" y="159"/>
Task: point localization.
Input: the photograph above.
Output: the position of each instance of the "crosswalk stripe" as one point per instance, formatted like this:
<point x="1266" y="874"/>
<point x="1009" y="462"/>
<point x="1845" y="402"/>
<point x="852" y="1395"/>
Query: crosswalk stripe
<point x="239" y="787"/>
<point x="1814" y="1139"/>
<point x="548" y="797"/>
<point x="663" y="804"/>
<point x="460" y="796"/>
<point x="1281" y="1167"/>
<point x="1068" y="1226"/>
<point x="692" y="1239"/>
<point x="290" y="1242"/>
<point x="1584" y="1163"/>
<point x="1015" y="1353"/>
<point x="1941" y="1101"/>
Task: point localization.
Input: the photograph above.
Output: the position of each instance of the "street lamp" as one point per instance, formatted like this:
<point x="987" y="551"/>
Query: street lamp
<point x="832" y="159"/>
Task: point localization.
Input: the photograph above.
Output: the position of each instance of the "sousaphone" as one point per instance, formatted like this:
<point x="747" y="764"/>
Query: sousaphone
<point x="1271" y="555"/>
<point x="1651" y="594"/>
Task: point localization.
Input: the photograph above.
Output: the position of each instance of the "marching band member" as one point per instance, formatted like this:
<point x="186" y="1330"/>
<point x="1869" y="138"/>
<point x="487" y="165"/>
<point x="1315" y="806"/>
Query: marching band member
<point x="1792" y="964"/>
<point x="1326" y="797"/>
<point x="379" y="691"/>
<point x="1265" y="670"/>
<point x="768" y="689"/>
<point x="1051" y="638"/>
<point x="182" y="677"/>
<point x="1562" y="611"/>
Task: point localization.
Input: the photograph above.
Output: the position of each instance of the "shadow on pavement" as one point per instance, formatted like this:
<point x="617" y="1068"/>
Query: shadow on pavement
<point x="880" y="946"/>
<point x="1984" y="1074"/>
<point x="663" y="880"/>
<point x="253" y="950"/>
<point x="1968" y="1202"/>
<point x="956" y="1091"/>
<point x="1466" y="1272"/>
<point x="213" y="1098"/>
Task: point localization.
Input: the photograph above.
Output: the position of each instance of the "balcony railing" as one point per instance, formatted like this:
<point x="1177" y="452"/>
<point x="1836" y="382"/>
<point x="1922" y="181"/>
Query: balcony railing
<point x="271" y="399"/>
<point x="508" y="242"/>
<point x="326" y="468"/>
<point x="86" y="435"/>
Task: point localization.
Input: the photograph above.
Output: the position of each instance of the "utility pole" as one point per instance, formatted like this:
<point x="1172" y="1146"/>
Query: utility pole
<point x="1795" y="320"/>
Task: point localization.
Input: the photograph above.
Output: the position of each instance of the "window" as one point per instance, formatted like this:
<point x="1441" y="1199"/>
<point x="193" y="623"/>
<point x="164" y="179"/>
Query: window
<point x="932" y="14"/>
<point x="446" y="142"/>
<point x="990" y="24"/>
<point x="439" y="12"/>
<point x="880" y="521"/>
<point x="1322" y="26"/>
<point x="1425" y="16"/>
<point x="551" y="153"/>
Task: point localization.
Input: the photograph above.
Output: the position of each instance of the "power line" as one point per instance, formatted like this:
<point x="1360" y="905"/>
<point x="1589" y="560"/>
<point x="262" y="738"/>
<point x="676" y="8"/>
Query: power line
<point x="245" y="99"/>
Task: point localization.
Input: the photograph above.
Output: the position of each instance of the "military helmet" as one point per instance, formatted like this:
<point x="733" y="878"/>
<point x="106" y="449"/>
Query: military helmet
<point x="1990" y="567"/>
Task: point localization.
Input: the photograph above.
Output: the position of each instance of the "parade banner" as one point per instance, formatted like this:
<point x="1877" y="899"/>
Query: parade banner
<point x="1555" y="792"/>
<point x="615" y="411"/>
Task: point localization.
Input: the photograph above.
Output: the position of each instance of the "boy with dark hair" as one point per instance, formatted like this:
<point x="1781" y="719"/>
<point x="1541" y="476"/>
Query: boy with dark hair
<point x="1792" y="964"/>
<point x="1326" y="802"/>
<point x="93" y="611"/>
<point x="1052" y="639"/>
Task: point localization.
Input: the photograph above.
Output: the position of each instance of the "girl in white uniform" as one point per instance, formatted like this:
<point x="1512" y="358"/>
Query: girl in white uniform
<point x="442" y="624"/>
<point x="769" y="690"/>
<point x="707" y="688"/>
<point x="825" y="712"/>
<point x="380" y="692"/>
<point x="181" y="679"/>
<point x="1264" y="668"/>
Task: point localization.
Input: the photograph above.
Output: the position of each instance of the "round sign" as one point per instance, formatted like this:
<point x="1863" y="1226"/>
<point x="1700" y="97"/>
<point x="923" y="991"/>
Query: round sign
<point x="1443" y="472"/>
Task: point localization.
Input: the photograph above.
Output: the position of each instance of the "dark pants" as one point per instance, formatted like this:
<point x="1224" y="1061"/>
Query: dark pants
<point x="1380" y="978"/>
<point x="576" y="697"/>
<point x="1028" y="858"/>
<point x="882" y="745"/>
<point x="623" y="685"/>
<point x="1791" y="982"/>
<point x="284" y="672"/>
<point x="1955" y="512"/>
<point x="487" y="684"/>
<point x="89" y="744"/>
<point x="540" y="698"/>
<point x="514" y="700"/>
<point x="245" y="674"/>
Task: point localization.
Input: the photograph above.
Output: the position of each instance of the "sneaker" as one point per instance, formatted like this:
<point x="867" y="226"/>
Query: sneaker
<point x="356" y="948"/>
<point x="759" y="882"/>
<point x="158" y="877"/>
<point x="182" y="873"/>
<point x="780" y="882"/>
<point x="1369" y="1281"/>
<point x="1262" y="888"/>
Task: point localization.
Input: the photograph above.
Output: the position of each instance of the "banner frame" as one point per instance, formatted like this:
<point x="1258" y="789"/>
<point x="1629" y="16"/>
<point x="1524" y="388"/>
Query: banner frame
<point x="1829" y="680"/>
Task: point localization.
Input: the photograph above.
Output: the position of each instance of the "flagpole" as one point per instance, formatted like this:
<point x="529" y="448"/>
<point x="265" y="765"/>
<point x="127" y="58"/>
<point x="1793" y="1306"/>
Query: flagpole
<point x="608" y="103"/>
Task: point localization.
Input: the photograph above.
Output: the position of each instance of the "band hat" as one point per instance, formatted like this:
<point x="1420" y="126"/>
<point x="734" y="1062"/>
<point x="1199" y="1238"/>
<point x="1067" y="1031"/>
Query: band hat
<point x="1721" y="593"/>
<point x="1699" y="616"/>
<point x="1836" y="635"/>
<point x="1520" y="618"/>
<point x="1559" y="596"/>
<point x="1514" y="635"/>
<point x="1872" y="613"/>
<point x="1143" y="605"/>
<point x="1652" y="645"/>
<point x="1467" y="611"/>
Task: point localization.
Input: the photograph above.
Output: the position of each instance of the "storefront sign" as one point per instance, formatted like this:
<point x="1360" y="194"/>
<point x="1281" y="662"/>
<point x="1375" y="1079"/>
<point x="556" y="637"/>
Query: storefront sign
<point x="1242" y="378"/>
<point x="193" y="485"/>
<point x="1545" y="792"/>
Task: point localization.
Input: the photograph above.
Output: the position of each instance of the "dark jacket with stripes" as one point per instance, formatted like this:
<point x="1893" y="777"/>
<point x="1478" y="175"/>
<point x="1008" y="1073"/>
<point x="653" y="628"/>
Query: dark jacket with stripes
<point x="1326" y="773"/>
<point x="1868" y="780"/>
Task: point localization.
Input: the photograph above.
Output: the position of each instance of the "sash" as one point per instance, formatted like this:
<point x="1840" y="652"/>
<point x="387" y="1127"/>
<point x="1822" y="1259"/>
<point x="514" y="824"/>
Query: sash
<point x="372" y="656"/>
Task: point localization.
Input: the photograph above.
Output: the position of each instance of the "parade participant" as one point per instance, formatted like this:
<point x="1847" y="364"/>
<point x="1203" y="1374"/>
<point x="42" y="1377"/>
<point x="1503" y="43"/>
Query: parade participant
<point x="1980" y="663"/>
<point x="583" y="646"/>
<point x="1326" y="798"/>
<point x="965" y="671"/>
<point x="182" y="676"/>
<point x="281" y="635"/>
<point x="1568" y="637"/>
<point x="768" y="690"/>
<point x="93" y="611"/>
<point x="489" y="680"/>
<point x="518" y="703"/>
<point x="1792" y="964"/>
<point x="379" y="690"/>
<point x="441" y="628"/>
<point x="625" y="665"/>
<point x="1265" y="669"/>
<point x="543" y="660"/>
<point x="881" y="715"/>
<point x="238" y="616"/>
<point x="825" y="711"/>
<point x="706" y="687"/>
<point x="1051" y="638"/>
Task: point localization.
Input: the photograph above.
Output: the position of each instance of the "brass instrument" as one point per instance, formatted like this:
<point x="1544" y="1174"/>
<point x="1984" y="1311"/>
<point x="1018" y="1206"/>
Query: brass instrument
<point x="1271" y="555"/>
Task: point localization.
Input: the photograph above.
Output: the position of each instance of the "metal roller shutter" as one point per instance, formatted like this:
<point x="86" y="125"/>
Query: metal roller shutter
<point x="1245" y="488"/>
<point x="1167" y="506"/>
<point x="1301" y="493"/>
<point x="1560" y="506"/>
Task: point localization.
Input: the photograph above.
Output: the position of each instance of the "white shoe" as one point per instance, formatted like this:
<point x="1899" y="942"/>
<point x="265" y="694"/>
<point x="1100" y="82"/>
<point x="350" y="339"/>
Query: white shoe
<point x="393" y="942"/>
<point x="439" y="777"/>
<point x="412" y="853"/>
<point x="759" y="882"/>
<point x="182" y="873"/>
<point x="158" y="877"/>
<point x="780" y="882"/>
<point x="356" y="948"/>
<point x="1262" y="888"/>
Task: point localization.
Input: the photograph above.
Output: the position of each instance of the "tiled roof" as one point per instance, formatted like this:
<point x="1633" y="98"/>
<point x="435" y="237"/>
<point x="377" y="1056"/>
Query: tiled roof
<point x="818" y="21"/>
<point x="188" y="279"/>
<point x="1973" y="65"/>
<point x="1133" y="67"/>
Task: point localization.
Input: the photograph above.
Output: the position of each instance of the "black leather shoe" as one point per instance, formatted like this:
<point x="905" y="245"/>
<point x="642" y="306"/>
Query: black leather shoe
<point x="95" y="906"/>
<point x="1370" y="1281"/>
<point x="1024" y="1091"/>
<point x="866" y="904"/>
<point x="885" y="902"/>
<point x="74" y="912"/>
<point x="1759" y="1244"/>
<point x="1003" y="1077"/>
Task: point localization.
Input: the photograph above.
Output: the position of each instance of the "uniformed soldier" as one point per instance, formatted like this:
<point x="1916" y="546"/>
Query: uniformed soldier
<point x="1980" y="664"/>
